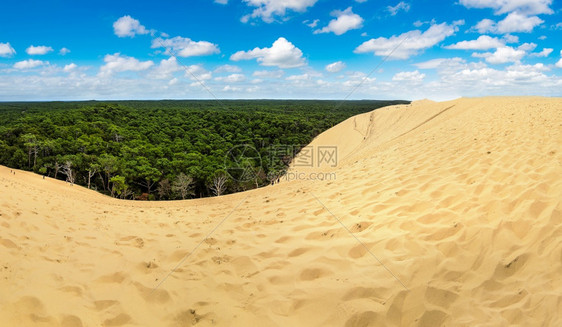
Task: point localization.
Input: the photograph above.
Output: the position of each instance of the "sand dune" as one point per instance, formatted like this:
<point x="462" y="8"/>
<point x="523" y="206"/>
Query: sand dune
<point x="461" y="201"/>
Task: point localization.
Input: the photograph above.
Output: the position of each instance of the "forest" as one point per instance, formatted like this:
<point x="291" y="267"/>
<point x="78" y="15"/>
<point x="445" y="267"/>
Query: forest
<point x="167" y="149"/>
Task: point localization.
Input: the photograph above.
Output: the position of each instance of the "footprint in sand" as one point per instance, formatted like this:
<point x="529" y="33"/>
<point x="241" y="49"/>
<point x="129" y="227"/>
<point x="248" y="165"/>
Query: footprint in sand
<point x="131" y="241"/>
<point x="71" y="321"/>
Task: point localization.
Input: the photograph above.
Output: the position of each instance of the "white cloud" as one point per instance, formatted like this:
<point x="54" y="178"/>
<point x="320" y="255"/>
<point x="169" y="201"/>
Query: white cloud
<point x="64" y="51"/>
<point x="396" y="9"/>
<point x="232" y="78"/>
<point x="414" y="77"/>
<point x="356" y="79"/>
<point x="70" y="67"/>
<point x="529" y="7"/>
<point x="173" y="81"/>
<point x="345" y="20"/>
<point x="407" y="44"/>
<point x="515" y="22"/>
<point x="301" y="77"/>
<point x="269" y="73"/>
<point x="544" y="53"/>
<point x="185" y="47"/>
<point x="511" y="38"/>
<point x="527" y="47"/>
<point x="198" y="73"/>
<point x="512" y="23"/>
<point x="228" y="69"/>
<point x="502" y="55"/>
<point x="559" y="63"/>
<point x="485" y="25"/>
<point x="38" y="50"/>
<point x="229" y="88"/>
<point x="453" y="77"/>
<point x="166" y="69"/>
<point x="312" y="24"/>
<point x="442" y="64"/>
<point x="484" y="42"/>
<point x="127" y="26"/>
<point x="222" y="2"/>
<point x="117" y="63"/>
<point x="29" y="64"/>
<point x="282" y="54"/>
<point x="267" y="9"/>
<point x="335" y="67"/>
<point x="6" y="50"/>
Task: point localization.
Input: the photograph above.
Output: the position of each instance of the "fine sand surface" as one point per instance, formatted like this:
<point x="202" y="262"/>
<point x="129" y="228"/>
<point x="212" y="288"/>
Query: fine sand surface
<point x="459" y="204"/>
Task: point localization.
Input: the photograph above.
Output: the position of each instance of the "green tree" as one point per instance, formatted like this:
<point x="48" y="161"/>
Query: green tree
<point x="119" y="186"/>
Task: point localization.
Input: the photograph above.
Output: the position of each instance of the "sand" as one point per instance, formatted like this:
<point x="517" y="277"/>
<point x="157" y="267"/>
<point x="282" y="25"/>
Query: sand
<point x="457" y="205"/>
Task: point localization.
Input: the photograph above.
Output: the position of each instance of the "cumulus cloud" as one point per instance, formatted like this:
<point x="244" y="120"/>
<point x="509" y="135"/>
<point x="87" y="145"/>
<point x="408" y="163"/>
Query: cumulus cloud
<point x="453" y="77"/>
<point x="165" y="69"/>
<point x="185" y="47"/>
<point x="407" y="44"/>
<point x="6" y="50"/>
<point x="502" y="55"/>
<point x="484" y="42"/>
<point x="396" y="9"/>
<point x="529" y="7"/>
<point x="222" y="2"/>
<point x="232" y="78"/>
<point x="64" y="51"/>
<point x="269" y="73"/>
<point x="228" y="69"/>
<point x="116" y="63"/>
<point x="544" y="53"/>
<point x="38" y="50"/>
<point x="299" y="78"/>
<point x="70" y="67"/>
<point x="514" y="75"/>
<point x="442" y="63"/>
<point x="127" y="26"/>
<point x="513" y="23"/>
<point x="29" y="64"/>
<point x="345" y="20"/>
<point x="282" y="54"/>
<point x="356" y="79"/>
<point x="527" y="46"/>
<point x="414" y="77"/>
<point x="335" y="67"/>
<point x="511" y="38"/>
<point x="485" y="25"/>
<point x="198" y="73"/>
<point x="268" y="9"/>
<point x="559" y="63"/>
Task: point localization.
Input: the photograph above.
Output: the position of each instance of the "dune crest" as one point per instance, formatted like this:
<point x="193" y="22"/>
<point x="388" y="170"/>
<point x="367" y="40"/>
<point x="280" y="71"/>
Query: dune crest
<point x="461" y="201"/>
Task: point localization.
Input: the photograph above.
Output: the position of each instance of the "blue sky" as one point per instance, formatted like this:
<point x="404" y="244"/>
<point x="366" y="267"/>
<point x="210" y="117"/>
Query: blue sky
<point x="310" y="49"/>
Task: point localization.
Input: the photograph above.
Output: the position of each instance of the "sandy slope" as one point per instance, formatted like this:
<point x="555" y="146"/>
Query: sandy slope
<point x="461" y="201"/>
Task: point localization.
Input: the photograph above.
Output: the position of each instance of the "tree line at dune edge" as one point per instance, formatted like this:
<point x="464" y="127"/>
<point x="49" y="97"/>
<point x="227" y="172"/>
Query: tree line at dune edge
<point x="163" y="150"/>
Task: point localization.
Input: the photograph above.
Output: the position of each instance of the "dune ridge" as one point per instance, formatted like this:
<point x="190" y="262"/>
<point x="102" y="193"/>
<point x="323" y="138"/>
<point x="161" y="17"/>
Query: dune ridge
<point x="460" y="200"/>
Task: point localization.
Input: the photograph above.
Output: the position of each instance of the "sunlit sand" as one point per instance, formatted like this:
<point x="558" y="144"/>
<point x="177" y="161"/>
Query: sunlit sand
<point x="461" y="201"/>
